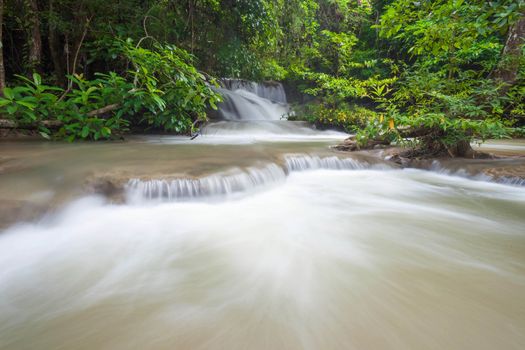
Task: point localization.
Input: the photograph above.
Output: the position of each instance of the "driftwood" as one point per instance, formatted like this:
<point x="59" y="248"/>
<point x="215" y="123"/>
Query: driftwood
<point x="103" y="110"/>
<point x="9" y="124"/>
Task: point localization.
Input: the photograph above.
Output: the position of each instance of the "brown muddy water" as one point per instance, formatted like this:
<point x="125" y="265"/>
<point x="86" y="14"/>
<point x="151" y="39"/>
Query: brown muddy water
<point x="255" y="243"/>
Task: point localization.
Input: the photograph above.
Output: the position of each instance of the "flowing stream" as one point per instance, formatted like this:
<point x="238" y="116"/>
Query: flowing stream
<point x="255" y="235"/>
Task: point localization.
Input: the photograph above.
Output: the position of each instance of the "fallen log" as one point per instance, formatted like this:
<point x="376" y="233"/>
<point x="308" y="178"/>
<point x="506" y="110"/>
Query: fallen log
<point x="103" y="110"/>
<point x="10" y="124"/>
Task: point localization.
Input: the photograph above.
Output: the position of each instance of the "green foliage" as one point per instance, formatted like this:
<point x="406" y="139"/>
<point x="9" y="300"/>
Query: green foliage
<point x="446" y="90"/>
<point x="439" y="81"/>
<point x="75" y="112"/>
<point x="163" y="90"/>
<point x="349" y="118"/>
<point x="171" y="90"/>
<point x="413" y="64"/>
<point x="28" y="103"/>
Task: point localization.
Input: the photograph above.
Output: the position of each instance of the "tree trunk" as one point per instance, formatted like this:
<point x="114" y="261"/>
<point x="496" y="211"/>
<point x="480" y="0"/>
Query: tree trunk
<point x="78" y="46"/>
<point x="508" y="67"/>
<point x="34" y="39"/>
<point x="55" y="49"/>
<point x="2" y="68"/>
<point x="461" y="149"/>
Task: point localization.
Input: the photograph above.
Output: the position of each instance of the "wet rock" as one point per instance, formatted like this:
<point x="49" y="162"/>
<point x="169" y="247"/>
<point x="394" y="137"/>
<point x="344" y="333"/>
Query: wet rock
<point x="110" y="186"/>
<point x="351" y="144"/>
<point x="398" y="159"/>
<point x="13" y="211"/>
<point x="510" y="174"/>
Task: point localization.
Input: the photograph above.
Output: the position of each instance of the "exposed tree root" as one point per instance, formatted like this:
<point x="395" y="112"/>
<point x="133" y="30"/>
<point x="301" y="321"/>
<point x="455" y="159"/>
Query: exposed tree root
<point x="430" y="145"/>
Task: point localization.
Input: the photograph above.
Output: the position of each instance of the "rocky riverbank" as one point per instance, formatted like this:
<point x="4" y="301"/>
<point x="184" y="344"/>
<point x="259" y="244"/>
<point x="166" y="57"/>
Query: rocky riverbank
<point x="502" y="161"/>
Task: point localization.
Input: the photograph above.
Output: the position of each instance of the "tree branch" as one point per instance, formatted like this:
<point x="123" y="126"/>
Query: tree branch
<point x="103" y="110"/>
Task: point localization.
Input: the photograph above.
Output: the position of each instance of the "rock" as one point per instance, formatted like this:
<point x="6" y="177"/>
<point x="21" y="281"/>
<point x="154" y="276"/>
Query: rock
<point x="351" y="144"/>
<point x="12" y="211"/>
<point x="396" y="158"/>
<point x="512" y="174"/>
<point x="348" y="145"/>
<point x="110" y="186"/>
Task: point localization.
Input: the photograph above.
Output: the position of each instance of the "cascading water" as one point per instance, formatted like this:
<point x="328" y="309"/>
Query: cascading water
<point x="245" y="100"/>
<point x="236" y="180"/>
<point x="273" y="91"/>
<point x="358" y="260"/>
<point x="257" y="111"/>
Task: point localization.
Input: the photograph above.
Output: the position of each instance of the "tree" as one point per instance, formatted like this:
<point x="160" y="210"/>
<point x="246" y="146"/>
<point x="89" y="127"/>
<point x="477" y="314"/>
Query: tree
<point x="444" y="93"/>
<point x="508" y="67"/>
<point x="33" y="34"/>
<point x="2" y="67"/>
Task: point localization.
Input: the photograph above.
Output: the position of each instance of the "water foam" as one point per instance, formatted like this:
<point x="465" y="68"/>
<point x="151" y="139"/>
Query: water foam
<point x="330" y="260"/>
<point x="437" y="167"/>
<point x="235" y="181"/>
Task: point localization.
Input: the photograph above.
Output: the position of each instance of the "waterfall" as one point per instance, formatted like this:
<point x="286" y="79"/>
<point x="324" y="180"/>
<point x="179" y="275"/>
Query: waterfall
<point x="237" y="180"/>
<point x="254" y="112"/>
<point x="210" y="186"/>
<point x="246" y="100"/>
<point x="272" y="91"/>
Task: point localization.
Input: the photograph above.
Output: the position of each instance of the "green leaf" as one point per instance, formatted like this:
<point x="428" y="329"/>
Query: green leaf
<point x="37" y="79"/>
<point x="45" y="135"/>
<point x="27" y="104"/>
<point x="12" y="109"/>
<point x="106" y="131"/>
<point x="85" y="132"/>
<point x="8" y="93"/>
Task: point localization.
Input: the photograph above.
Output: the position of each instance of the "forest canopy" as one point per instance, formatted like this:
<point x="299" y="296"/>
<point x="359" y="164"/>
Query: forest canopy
<point x="443" y="72"/>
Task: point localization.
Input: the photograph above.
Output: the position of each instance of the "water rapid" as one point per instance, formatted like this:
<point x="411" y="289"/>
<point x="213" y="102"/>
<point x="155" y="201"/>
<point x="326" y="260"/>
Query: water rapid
<point x="235" y="181"/>
<point x="328" y="259"/>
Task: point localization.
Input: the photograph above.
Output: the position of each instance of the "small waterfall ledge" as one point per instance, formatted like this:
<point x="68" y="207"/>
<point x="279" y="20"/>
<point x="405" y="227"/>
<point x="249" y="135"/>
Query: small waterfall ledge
<point x="241" y="181"/>
<point x="236" y="181"/>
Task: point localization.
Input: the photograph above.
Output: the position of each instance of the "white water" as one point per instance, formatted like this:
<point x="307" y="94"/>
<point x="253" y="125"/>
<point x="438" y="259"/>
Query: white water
<point x="326" y="259"/>
<point x="235" y="181"/>
<point x="230" y="132"/>
<point x="257" y="112"/>
<point x="272" y="91"/>
<point x="251" y="101"/>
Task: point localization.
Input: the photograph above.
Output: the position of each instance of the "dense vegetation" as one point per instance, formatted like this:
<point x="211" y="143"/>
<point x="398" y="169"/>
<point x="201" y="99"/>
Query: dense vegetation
<point x="441" y="72"/>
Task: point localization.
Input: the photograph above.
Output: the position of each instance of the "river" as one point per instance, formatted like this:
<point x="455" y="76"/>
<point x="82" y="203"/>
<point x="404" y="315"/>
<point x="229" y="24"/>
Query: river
<point x="256" y="235"/>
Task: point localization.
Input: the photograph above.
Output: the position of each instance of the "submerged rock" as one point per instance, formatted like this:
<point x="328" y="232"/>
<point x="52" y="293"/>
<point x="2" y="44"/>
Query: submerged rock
<point x="12" y="211"/>
<point x="111" y="186"/>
